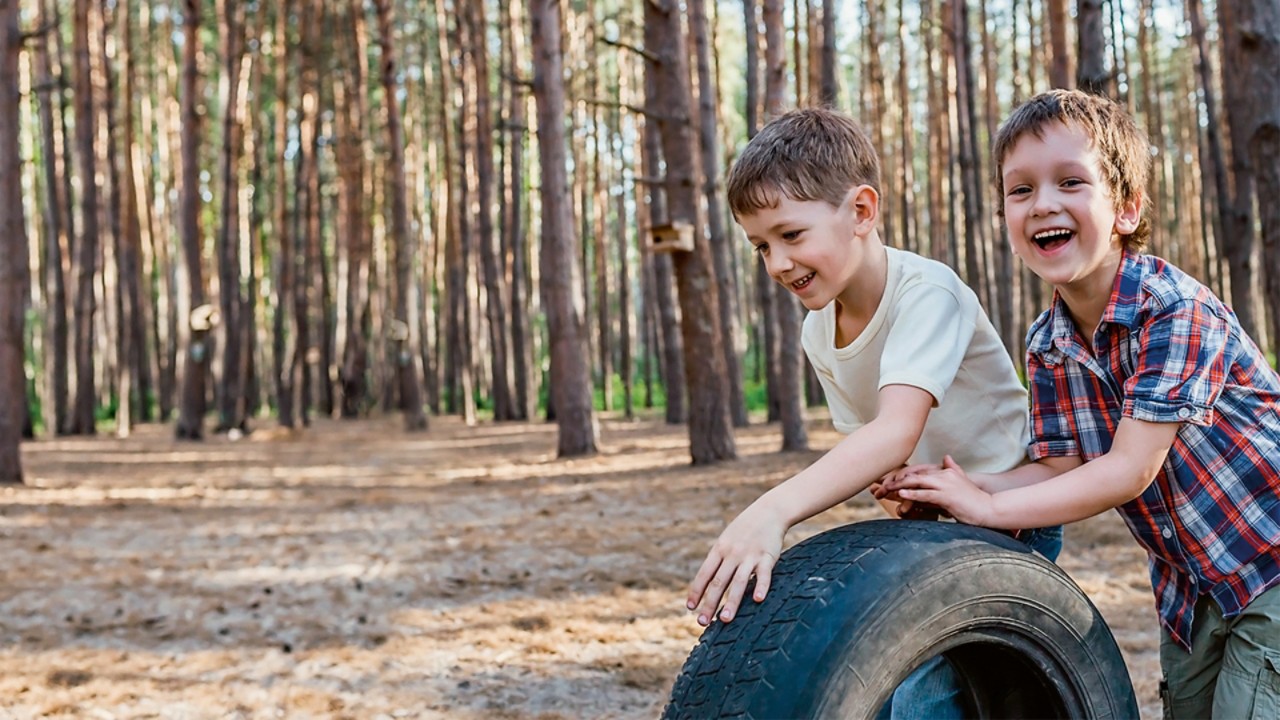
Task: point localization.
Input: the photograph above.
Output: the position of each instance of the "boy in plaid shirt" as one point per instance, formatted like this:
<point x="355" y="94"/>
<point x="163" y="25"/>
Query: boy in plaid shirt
<point x="1147" y="397"/>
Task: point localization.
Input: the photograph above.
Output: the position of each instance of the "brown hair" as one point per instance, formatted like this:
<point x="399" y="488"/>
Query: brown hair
<point x="1123" y="151"/>
<point x="806" y="154"/>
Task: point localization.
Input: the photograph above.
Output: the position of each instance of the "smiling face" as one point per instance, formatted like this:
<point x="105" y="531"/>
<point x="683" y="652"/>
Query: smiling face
<point x="812" y="248"/>
<point x="1063" y="219"/>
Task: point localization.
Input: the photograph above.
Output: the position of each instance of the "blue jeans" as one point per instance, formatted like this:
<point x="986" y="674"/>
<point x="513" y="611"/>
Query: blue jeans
<point x="932" y="691"/>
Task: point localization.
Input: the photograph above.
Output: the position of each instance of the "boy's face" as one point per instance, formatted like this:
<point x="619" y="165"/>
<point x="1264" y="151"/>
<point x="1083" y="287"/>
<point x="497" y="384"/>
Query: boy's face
<point x="1062" y="219"/>
<point x="809" y="246"/>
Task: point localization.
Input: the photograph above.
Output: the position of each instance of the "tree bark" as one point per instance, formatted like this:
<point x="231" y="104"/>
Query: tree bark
<point x="82" y="418"/>
<point x="13" y="254"/>
<point x="720" y="239"/>
<point x="415" y="418"/>
<point x="231" y="413"/>
<point x="1237" y="226"/>
<point x="1091" y="44"/>
<point x="524" y="403"/>
<point x="1258" y="24"/>
<point x="56" y="234"/>
<point x="710" y="430"/>
<point x="570" y="378"/>
<point x="195" y="368"/>
<point x="350" y="92"/>
<point x="495" y="284"/>
<point x="1060" y="63"/>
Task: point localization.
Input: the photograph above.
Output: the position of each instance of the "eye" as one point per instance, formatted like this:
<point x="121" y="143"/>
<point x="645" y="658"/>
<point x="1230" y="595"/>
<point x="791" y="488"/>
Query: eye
<point x="761" y="249"/>
<point x="1072" y="182"/>
<point x="1019" y="190"/>
<point x="791" y="235"/>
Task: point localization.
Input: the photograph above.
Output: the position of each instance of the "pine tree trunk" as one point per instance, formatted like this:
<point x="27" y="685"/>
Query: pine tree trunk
<point x="710" y="430"/>
<point x="56" y="238"/>
<point x="1259" y="27"/>
<point x="495" y="284"/>
<point x="719" y="238"/>
<point x="196" y="362"/>
<point x="570" y="379"/>
<point x="1091" y="45"/>
<point x="1237" y="225"/>
<point x="667" y="316"/>
<point x="13" y="253"/>
<point x="285" y="348"/>
<point x="1060" y="65"/>
<point x="82" y="419"/>
<point x="410" y="374"/>
<point x="352" y="111"/>
<point x="517" y="238"/>
<point x="231" y="388"/>
<point x="780" y="309"/>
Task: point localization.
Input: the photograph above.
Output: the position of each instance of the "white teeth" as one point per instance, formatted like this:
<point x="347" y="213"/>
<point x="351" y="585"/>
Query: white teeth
<point x="1045" y="234"/>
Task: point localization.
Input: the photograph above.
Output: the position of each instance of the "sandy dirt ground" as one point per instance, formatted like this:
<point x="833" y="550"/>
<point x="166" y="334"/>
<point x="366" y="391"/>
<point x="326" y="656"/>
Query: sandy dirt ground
<point x="353" y="571"/>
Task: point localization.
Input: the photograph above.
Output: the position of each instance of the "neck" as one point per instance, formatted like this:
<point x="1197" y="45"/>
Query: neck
<point x="1087" y="298"/>
<point x="858" y="302"/>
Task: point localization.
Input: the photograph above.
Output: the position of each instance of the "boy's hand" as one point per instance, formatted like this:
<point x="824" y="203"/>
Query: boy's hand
<point x="750" y="545"/>
<point x="949" y="488"/>
<point x="907" y="509"/>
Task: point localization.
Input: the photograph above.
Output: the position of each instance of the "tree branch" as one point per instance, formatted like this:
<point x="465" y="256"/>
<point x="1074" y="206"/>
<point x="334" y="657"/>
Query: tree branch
<point x="627" y="46"/>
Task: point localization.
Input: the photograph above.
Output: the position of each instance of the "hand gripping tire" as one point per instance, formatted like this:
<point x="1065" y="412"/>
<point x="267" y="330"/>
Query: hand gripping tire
<point x="854" y="610"/>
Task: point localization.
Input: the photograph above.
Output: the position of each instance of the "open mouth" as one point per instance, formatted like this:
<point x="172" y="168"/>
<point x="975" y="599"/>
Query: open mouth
<point x="1052" y="239"/>
<point x="803" y="282"/>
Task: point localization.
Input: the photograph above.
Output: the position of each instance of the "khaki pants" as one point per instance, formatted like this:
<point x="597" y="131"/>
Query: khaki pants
<point x="1233" y="669"/>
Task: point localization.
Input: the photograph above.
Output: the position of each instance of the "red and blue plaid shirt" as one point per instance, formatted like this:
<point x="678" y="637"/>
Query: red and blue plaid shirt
<point x="1168" y="350"/>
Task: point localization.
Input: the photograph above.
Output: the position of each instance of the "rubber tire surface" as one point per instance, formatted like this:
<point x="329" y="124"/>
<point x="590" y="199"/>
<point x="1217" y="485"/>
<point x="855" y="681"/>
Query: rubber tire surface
<point x="853" y="610"/>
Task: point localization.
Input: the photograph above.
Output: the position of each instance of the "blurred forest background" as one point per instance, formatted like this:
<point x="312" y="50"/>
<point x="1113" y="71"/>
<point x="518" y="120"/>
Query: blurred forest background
<point x="228" y="213"/>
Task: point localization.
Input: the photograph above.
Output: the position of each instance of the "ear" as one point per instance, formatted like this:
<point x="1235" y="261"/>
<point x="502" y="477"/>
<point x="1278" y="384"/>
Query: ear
<point x="865" y="203"/>
<point x="1128" y="216"/>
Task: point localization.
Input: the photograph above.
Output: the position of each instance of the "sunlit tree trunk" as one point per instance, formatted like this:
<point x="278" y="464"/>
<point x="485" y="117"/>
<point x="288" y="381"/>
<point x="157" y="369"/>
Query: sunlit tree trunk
<point x="231" y="412"/>
<point x="1060" y="63"/>
<point x="710" y="430"/>
<point x="286" y="351"/>
<point x="56" y="234"/>
<point x="720" y="239"/>
<point x="570" y="379"/>
<point x="517" y="237"/>
<point x="410" y="374"/>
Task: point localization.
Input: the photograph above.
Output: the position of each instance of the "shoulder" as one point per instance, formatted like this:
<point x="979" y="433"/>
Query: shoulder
<point x="1166" y="287"/>
<point x="922" y="277"/>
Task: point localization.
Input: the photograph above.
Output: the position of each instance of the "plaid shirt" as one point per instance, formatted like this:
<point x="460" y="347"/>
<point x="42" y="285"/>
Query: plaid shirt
<point x="1167" y="350"/>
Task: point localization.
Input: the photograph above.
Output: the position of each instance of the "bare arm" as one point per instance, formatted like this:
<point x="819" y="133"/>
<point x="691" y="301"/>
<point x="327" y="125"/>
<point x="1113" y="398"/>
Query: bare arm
<point x="1025" y="475"/>
<point x="752" y="543"/>
<point x="1136" y="455"/>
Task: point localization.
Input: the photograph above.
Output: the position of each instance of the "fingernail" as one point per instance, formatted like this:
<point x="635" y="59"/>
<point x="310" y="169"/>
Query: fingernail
<point x="691" y="605"/>
<point x="702" y="620"/>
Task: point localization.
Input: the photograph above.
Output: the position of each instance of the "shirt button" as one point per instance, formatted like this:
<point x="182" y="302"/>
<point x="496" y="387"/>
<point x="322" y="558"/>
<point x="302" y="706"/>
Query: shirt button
<point x="1185" y="413"/>
<point x="1166" y="532"/>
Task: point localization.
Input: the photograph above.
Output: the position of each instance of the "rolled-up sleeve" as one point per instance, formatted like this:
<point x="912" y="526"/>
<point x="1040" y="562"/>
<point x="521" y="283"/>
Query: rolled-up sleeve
<point x="1181" y="366"/>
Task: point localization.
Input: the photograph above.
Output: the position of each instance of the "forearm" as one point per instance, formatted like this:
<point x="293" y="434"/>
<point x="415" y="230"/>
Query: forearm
<point x="1026" y="475"/>
<point x="1064" y="497"/>
<point x="847" y="469"/>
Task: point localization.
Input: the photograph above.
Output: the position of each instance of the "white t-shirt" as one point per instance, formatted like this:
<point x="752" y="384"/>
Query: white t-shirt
<point x="929" y="332"/>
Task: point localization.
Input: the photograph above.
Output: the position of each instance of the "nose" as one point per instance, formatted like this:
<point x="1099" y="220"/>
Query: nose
<point x="1045" y="202"/>
<point x="777" y="263"/>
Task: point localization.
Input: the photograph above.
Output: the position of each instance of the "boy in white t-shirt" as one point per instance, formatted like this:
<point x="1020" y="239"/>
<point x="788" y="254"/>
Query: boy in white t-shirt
<point x="912" y="368"/>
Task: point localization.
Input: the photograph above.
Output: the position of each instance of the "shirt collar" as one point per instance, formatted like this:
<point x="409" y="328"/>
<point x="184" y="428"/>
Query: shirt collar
<point x="1122" y="308"/>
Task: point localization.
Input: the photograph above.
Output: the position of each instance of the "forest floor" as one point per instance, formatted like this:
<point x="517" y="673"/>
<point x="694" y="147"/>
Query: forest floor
<point x="351" y="570"/>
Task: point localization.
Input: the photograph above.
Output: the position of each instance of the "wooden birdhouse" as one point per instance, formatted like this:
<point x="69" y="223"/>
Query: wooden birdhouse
<point x="672" y="237"/>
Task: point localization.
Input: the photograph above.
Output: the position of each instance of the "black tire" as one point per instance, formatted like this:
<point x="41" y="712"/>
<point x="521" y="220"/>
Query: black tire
<point x="854" y="610"/>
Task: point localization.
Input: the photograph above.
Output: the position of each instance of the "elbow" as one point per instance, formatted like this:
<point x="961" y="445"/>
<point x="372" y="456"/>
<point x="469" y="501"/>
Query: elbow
<point x="1141" y="476"/>
<point x="899" y="447"/>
